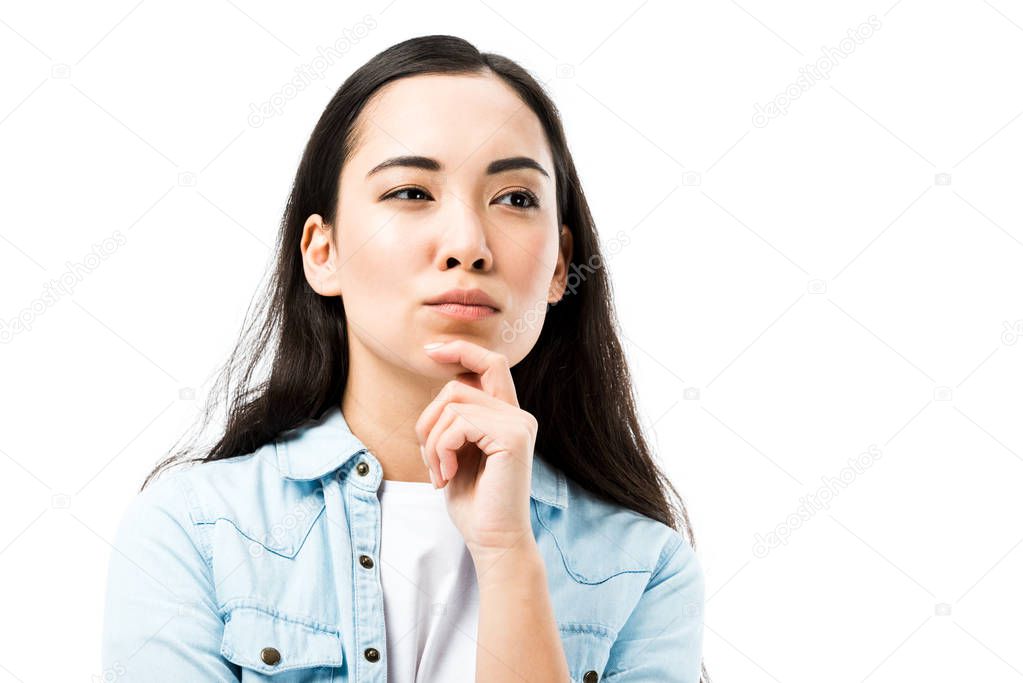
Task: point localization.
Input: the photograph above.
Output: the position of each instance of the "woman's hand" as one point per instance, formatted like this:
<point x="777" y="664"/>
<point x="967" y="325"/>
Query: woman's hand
<point x="475" y="436"/>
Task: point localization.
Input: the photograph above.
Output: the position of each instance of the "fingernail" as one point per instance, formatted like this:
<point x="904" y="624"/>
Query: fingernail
<point x="433" y="345"/>
<point x="433" y="480"/>
<point x="444" y="472"/>
<point x="422" y="453"/>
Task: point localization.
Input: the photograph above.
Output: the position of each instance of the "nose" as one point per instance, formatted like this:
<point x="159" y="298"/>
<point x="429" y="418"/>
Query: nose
<point x="463" y="244"/>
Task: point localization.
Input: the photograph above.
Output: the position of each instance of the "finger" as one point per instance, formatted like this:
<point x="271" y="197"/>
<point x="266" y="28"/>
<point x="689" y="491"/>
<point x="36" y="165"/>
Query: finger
<point x="492" y="367"/>
<point x="463" y="428"/>
<point x="429" y="470"/>
<point x="444" y="420"/>
<point x="452" y="391"/>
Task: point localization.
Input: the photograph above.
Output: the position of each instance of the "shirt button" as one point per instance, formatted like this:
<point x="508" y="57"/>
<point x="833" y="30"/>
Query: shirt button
<point x="366" y="561"/>
<point x="371" y="654"/>
<point x="590" y="677"/>
<point x="270" y="655"/>
<point x="362" y="468"/>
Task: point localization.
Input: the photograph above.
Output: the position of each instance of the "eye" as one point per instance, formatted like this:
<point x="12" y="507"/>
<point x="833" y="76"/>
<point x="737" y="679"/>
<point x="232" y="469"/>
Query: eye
<point x="394" y="195"/>
<point x="528" y="196"/>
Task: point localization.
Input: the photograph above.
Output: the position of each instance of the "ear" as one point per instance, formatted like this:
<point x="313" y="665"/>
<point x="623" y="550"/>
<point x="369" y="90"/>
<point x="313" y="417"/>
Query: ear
<point x="560" y="279"/>
<point x="319" y="257"/>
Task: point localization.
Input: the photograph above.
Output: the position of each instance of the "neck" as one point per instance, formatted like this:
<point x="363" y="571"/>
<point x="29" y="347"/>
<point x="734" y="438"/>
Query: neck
<point x="381" y="404"/>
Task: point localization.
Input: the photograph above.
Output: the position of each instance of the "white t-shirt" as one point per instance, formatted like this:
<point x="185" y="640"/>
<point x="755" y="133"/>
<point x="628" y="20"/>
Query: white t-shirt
<point x="431" y="599"/>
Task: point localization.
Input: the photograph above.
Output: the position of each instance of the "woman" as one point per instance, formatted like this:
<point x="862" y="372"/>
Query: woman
<point x="429" y="330"/>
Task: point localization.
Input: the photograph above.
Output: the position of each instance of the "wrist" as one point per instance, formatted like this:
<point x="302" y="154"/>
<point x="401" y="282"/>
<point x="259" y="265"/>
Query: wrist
<point x="501" y="565"/>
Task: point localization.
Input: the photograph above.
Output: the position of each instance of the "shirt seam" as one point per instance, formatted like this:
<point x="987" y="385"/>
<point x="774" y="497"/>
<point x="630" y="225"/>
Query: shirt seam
<point x="194" y="509"/>
<point x="666" y="557"/>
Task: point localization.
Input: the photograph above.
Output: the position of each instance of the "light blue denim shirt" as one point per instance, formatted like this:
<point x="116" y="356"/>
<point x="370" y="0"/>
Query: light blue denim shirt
<point x="262" y="567"/>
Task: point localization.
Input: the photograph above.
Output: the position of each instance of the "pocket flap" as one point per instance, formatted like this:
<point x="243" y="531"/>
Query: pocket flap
<point x="270" y="642"/>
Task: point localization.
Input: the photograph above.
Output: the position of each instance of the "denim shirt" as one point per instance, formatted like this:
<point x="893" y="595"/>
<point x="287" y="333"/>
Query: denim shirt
<point x="262" y="567"/>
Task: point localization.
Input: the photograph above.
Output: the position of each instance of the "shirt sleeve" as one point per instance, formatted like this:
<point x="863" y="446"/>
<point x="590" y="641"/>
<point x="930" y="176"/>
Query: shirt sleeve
<point x="161" y="621"/>
<point x="662" y="640"/>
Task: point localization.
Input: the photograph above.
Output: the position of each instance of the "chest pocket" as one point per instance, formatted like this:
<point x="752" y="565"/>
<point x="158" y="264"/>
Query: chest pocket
<point x="273" y="647"/>
<point x="587" y="648"/>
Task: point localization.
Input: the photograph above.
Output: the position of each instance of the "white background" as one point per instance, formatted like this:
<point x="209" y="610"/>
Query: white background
<point x="846" y="277"/>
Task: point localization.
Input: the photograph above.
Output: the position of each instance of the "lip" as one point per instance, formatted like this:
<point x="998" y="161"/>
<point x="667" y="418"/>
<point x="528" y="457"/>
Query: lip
<point x="464" y="304"/>
<point x="465" y="297"/>
<point x="463" y="311"/>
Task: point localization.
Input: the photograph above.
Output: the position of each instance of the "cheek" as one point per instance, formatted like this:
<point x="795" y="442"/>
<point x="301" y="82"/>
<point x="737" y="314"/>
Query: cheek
<point x="530" y="266"/>
<point x="376" y="291"/>
<point x="375" y="261"/>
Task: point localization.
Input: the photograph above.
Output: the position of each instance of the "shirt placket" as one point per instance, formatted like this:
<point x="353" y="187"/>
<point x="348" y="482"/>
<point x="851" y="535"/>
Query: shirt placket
<point x="360" y="487"/>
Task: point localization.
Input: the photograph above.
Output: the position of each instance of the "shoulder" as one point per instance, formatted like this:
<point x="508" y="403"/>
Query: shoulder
<point x="158" y="510"/>
<point x="246" y="491"/>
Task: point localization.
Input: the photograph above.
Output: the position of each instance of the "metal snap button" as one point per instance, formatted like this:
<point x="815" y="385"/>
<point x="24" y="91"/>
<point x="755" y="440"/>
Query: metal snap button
<point x="270" y="655"/>
<point x="362" y="468"/>
<point x="366" y="561"/>
<point x="371" y="654"/>
<point x="590" y="677"/>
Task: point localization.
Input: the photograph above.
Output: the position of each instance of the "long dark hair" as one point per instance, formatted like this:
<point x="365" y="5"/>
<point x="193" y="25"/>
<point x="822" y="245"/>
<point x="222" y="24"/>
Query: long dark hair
<point x="575" y="380"/>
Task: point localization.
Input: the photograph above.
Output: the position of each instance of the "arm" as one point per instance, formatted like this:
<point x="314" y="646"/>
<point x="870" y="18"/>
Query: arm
<point x="663" y="638"/>
<point x="517" y="637"/>
<point x="161" y="620"/>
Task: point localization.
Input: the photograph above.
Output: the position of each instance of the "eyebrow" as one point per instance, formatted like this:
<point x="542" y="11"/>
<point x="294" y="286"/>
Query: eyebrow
<point x="428" y="164"/>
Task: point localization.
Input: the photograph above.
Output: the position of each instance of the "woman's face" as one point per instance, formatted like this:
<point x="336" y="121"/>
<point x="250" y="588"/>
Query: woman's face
<point x="471" y="206"/>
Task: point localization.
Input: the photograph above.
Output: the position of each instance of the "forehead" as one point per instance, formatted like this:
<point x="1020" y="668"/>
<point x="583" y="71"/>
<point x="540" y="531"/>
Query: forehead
<point x="461" y="120"/>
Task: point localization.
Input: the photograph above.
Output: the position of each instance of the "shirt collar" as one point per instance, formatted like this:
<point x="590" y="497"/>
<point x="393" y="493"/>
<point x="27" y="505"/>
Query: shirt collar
<point x="321" y="446"/>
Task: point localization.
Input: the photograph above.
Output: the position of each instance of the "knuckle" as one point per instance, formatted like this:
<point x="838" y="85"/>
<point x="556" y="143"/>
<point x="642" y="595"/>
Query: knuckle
<point x="532" y="426"/>
<point x="420" y="425"/>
